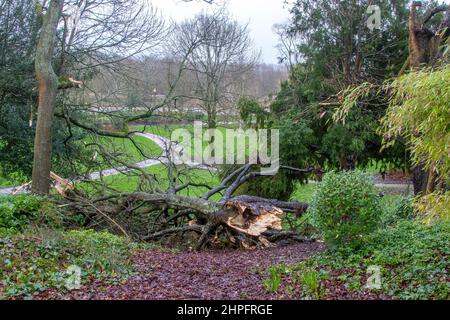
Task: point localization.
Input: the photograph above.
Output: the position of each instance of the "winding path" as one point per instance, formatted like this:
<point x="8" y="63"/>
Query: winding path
<point x="165" y="144"/>
<point x="171" y="151"/>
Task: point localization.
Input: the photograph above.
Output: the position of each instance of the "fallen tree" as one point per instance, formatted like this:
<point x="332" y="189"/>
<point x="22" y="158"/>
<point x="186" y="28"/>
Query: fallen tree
<point x="242" y="221"/>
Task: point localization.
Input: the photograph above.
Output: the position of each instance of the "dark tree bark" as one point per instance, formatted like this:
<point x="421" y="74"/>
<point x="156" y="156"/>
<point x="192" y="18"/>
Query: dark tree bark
<point x="425" y="43"/>
<point x="425" y="50"/>
<point x="420" y="179"/>
<point x="48" y="87"/>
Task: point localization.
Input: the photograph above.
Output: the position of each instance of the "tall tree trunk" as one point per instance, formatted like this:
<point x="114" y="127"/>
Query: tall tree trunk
<point x="48" y="87"/>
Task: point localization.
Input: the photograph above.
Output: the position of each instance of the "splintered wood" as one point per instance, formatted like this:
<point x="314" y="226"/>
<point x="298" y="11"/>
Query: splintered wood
<point x="61" y="185"/>
<point x="254" y="218"/>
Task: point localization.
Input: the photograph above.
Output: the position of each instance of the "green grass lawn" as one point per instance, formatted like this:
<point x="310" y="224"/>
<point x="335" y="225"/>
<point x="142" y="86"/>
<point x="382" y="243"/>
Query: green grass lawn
<point x="303" y="192"/>
<point x="127" y="183"/>
<point x="166" y="132"/>
<point x="131" y="150"/>
<point x="131" y="182"/>
<point x="163" y="131"/>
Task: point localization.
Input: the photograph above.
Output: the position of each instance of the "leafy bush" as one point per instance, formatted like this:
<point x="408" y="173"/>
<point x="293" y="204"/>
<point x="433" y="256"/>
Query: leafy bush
<point x="345" y="207"/>
<point x="418" y="113"/>
<point x="434" y="206"/>
<point x="33" y="263"/>
<point x="17" y="212"/>
<point x="413" y="258"/>
<point x="400" y="209"/>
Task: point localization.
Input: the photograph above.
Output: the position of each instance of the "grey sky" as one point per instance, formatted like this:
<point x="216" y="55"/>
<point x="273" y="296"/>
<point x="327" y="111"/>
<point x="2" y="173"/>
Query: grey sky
<point x="260" y="14"/>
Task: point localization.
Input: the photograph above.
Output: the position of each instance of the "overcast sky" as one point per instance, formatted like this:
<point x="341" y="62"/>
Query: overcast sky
<point x="260" y="14"/>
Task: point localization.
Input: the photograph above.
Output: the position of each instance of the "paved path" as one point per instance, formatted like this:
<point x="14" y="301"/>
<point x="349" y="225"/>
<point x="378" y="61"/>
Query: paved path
<point x="6" y="191"/>
<point x="170" y="151"/>
<point x="163" y="143"/>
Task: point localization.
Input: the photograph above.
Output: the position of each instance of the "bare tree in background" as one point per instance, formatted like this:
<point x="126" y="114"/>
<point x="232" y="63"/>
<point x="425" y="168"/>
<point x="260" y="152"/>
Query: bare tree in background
<point x="287" y="46"/>
<point x="224" y="50"/>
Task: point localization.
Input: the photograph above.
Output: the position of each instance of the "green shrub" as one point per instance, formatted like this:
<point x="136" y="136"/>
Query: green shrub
<point x="345" y="207"/>
<point x="34" y="262"/>
<point x="98" y="251"/>
<point x="18" y="212"/>
<point x="399" y="209"/>
<point x="413" y="258"/>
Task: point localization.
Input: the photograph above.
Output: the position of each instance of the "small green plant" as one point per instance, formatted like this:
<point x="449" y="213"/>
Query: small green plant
<point x="414" y="258"/>
<point x="346" y="207"/>
<point x="272" y="284"/>
<point x="310" y="280"/>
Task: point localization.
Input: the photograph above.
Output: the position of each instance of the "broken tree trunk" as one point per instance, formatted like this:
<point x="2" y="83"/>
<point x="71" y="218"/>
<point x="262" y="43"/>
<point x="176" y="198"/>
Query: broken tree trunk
<point x="244" y="221"/>
<point x="61" y="185"/>
<point x="253" y="219"/>
<point x="425" y="44"/>
<point x="246" y="218"/>
<point x="254" y="215"/>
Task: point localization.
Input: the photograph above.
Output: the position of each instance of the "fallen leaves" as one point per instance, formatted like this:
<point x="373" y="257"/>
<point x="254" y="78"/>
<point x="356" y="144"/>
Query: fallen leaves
<point x="208" y="275"/>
